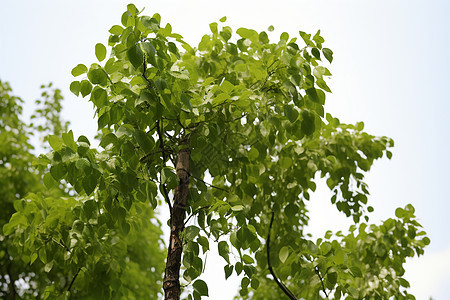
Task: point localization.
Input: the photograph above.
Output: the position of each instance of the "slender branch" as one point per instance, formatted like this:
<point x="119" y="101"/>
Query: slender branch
<point x="209" y="184"/>
<point x="321" y="281"/>
<point x="193" y="214"/>
<point x="62" y="245"/>
<point x="161" y="147"/>
<point x="279" y="283"/>
<point x="73" y="279"/>
<point x="143" y="158"/>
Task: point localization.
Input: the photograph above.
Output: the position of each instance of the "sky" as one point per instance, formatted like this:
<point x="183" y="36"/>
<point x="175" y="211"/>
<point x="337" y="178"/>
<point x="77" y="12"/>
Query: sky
<point x="391" y="69"/>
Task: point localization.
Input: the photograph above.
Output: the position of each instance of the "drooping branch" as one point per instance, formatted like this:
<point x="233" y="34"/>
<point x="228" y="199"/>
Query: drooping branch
<point x="321" y="281"/>
<point x="73" y="279"/>
<point x="279" y="283"/>
<point x="209" y="184"/>
<point x="164" y="155"/>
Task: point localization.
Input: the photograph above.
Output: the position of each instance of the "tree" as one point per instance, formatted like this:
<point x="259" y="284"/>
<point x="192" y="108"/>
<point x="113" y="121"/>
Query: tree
<point x="24" y="276"/>
<point x="231" y="136"/>
<point x="18" y="177"/>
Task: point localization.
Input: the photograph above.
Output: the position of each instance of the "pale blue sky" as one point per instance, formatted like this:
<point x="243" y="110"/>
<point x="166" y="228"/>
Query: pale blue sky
<point x="391" y="69"/>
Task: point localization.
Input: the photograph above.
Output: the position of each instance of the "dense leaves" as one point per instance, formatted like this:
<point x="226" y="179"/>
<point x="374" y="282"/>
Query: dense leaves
<point x="55" y="242"/>
<point x="251" y="113"/>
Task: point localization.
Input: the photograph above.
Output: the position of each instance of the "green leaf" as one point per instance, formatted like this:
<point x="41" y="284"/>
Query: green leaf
<point x="223" y="19"/>
<point x="68" y="140"/>
<point x="291" y="113"/>
<point x="149" y="49"/>
<point x="135" y="55"/>
<point x="110" y="138"/>
<point x="356" y="271"/>
<point x="228" y="270"/>
<point x="255" y="283"/>
<point x="55" y="142"/>
<point x="283" y="254"/>
<point x="201" y="287"/>
<point x="224" y="250"/>
<point x="150" y="23"/>
<point x="247" y="259"/>
<point x="399" y="212"/>
<point x="308" y="122"/>
<point x="404" y="282"/>
<point x="312" y="94"/>
<point x="49" y="182"/>
<point x="253" y="154"/>
<point x="185" y="99"/>
<point x="213" y="27"/>
<point x="83" y="164"/>
<point x="89" y="183"/>
<point x="263" y="37"/>
<point x="248" y="34"/>
<point x="328" y="54"/>
<point x="325" y="248"/>
<point x="98" y="76"/>
<point x="285" y="162"/>
<point x="315" y="52"/>
<point x="125" y="130"/>
<point x="145" y="142"/>
<point x="99" y="97"/>
<point x="204" y="242"/>
<point x="58" y="171"/>
<point x="220" y="98"/>
<point x="169" y="177"/>
<point x="191" y="232"/>
<point x="100" y="51"/>
<point x="75" y="87"/>
<point x="116" y="29"/>
<point x="339" y="257"/>
<point x="132" y="9"/>
<point x="151" y="192"/>
<point x="332" y="278"/>
<point x="85" y="88"/>
<point x="78" y="70"/>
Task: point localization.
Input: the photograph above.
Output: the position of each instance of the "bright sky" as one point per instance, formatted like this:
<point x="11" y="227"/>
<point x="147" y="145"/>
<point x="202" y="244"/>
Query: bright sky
<point x="391" y="69"/>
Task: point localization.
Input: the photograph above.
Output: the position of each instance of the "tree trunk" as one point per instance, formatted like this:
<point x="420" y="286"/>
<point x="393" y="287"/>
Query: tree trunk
<point x="171" y="282"/>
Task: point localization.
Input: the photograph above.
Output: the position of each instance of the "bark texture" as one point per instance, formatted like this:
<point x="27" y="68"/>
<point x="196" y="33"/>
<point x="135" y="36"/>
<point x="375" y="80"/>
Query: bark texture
<point x="171" y="282"/>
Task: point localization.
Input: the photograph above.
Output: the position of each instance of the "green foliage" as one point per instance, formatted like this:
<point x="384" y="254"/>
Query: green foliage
<point x="252" y="114"/>
<point x="53" y="238"/>
<point x="19" y="175"/>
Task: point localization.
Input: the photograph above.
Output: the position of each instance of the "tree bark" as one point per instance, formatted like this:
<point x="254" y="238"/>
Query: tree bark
<point x="171" y="282"/>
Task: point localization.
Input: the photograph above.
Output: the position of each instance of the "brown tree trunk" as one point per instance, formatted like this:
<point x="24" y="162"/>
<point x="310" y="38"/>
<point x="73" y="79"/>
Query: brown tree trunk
<point x="171" y="282"/>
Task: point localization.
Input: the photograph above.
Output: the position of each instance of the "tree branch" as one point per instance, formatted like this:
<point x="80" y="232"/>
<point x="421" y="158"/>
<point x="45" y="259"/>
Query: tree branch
<point x="161" y="148"/>
<point x="73" y="279"/>
<point x="321" y="281"/>
<point x="209" y="184"/>
<point x="279" y="283"/>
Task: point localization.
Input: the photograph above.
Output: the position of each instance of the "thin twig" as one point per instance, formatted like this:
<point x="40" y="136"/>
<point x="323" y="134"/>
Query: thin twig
<point x="279" y="283"/>
<point x="73" y="279"/>
<point x="161" y="147"/>
<point x="321" y="280"/>
<point x="61" y="245"/>
<point x="193" y="213"/>
<point x="213" y="186"/>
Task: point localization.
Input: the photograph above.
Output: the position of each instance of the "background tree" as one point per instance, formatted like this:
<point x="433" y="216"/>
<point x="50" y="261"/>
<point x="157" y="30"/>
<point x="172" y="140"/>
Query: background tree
<point x="249" y="115"/>
<point x="23" y="276"/>
<point x="18" y="177"/>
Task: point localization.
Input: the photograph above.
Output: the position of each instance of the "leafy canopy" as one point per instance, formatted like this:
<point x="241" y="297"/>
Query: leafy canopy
<point x="251" y="112"/>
